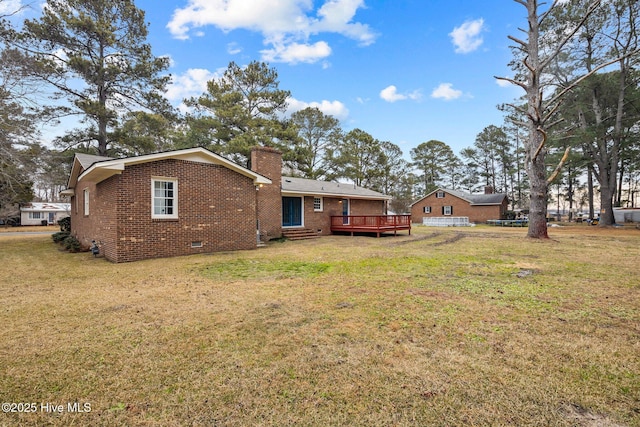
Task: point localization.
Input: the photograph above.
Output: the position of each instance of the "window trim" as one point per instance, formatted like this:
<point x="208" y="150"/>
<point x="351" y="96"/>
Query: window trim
<point x="321" y="208"/>
<point x="426" y="209"/>
<point x="447" y="208"/>
<point x="85" y="201"/>
<point x="439" y="194"/>
<point x="36" y="215"/>
<point x="173" y="215"/>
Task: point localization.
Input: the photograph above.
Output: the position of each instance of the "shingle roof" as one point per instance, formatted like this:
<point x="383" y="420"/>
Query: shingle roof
<point x="473" y="199"/>
<point x="44" y="206"/>
<point x="87" y="160"/>
<point x="310" y="186"/>
<point x="480" y="199"/>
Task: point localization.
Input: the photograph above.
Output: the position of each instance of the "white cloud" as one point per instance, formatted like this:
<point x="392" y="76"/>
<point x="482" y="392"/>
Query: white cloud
<point x="446" y="91"/>
<point x="390" y="94"/>
<point x="233" y="48"/>
<point x="192" y="83"/>
<point x="297" y="52"/>
<point x="336" y="17"/>
<point x="286" y="25"/>
<point x="8" y="7"/>
<point x="466" y="38"/>
<point x="332" y="108"/>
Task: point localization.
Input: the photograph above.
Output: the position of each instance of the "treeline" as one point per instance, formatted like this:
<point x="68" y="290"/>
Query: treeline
<point x="89" y="59"/>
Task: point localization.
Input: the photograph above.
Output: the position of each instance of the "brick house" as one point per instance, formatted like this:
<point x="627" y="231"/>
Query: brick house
<point x="194" y="201"/>
<point x="478" y="208"/>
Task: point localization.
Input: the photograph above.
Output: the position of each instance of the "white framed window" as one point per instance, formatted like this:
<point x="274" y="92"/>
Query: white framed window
<point x="447" y="210"/>
<point x="85" y="195"/>
<point x="426" y="209"/>
<point x="439" y="194"/>
<point x="35" y="215"/>
<point x="317" y="204"/>
<point x="164" y="198"/>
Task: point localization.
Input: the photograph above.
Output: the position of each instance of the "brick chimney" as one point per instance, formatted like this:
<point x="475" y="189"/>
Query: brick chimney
<point x="268" y="162"/>
<point x="488" y="189"/>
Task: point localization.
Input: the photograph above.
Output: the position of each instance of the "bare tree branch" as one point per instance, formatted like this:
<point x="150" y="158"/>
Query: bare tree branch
<point x="542" y="143"/>
<point x="556" y="171"/>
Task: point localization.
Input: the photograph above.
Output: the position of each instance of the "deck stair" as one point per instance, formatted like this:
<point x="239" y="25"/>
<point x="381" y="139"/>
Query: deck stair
<point x="300" y="234"/>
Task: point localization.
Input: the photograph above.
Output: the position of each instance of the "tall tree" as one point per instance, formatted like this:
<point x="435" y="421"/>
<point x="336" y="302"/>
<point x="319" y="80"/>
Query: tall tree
<point x="144" y="133"/>
<point x="535" y="55"/>
<point x="317" y="133"/>
<point x="357" y="158"/>
<point x="518" y="187"/>
<point x="391" y="167"/>
<point x="484" y="146"/>
<point x="431" y="159"/>
<point x="102" y="44"/>
<point x="241" y="110"/>
<point x="18" y="131"/>
<point x="470" y="170"/>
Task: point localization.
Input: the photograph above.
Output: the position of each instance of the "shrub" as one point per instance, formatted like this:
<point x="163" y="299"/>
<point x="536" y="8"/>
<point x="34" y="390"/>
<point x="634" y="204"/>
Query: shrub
<point x="60" y="236"/>
<point x="65" y="224"/>
<point x="71" y="244"/>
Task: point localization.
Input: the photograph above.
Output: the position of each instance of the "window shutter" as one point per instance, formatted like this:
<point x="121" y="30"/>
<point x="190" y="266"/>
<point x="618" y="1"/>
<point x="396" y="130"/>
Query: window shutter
<point x="443" y="210"/>
<point x="451" y="209"/>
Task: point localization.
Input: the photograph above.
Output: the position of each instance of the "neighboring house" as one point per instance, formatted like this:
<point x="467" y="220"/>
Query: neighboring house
<point x="195" y="201"/>
<point x="36" y="213"/>
<point x="477" y="207"/>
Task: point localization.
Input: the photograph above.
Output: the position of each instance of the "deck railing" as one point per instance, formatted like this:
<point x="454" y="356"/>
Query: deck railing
<point x="446" y="221"/>
<point x="371" y="223"/>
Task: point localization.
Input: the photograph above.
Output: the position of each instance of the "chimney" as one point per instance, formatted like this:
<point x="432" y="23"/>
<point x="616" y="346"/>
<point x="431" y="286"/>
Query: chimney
<point x="268" y="162"/>
<point x="488" y="189"/>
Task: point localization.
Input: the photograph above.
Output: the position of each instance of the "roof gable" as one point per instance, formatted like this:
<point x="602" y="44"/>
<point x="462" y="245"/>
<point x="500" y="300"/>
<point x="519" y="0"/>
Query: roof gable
<point x="99" y="168"/>
<point x="473" y="199"/>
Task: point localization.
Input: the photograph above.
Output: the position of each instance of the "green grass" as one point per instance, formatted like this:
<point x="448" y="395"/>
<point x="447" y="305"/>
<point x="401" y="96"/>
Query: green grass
<point x="475" y="326"/>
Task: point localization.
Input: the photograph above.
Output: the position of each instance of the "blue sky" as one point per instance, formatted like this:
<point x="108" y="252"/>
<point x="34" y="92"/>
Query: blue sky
<point x="404" y="71"/>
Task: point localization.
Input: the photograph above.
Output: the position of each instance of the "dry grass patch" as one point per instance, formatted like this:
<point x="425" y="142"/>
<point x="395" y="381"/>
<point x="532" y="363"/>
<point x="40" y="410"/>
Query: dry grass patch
<point x="436" y="328"/>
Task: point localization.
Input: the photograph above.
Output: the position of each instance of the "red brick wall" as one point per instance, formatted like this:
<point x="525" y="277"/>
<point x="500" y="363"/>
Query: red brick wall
<point x="332" y="207"/>
<point x="460" y="208"/>
<point x="268" y="162"/>
<point x="216" y="207"/>
<point x="100" y="224"/>
<point x="321" y="220"/>
<point x="366" y="207"/>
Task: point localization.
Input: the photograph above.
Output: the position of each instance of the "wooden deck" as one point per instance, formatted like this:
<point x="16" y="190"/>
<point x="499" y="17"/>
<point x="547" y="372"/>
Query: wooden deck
<point x="377" y="224"/>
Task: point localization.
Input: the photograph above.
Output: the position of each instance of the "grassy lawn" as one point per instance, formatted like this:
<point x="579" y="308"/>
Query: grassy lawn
<point x="473" y="326"/>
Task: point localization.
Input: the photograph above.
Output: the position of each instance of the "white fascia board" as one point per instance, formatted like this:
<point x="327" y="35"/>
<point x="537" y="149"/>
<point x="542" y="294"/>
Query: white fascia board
<point x="335" y="195"/>
<point x="198" y="154"/>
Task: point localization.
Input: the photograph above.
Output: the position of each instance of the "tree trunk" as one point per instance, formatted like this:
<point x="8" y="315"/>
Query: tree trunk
<point x="570" y="192"/>
<point x="606" y="206"/>
<point x="539" y="188"/>
<point x="590" y="191"/>
<point x="620" y="182"/>
<point x="535" y="142"/>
